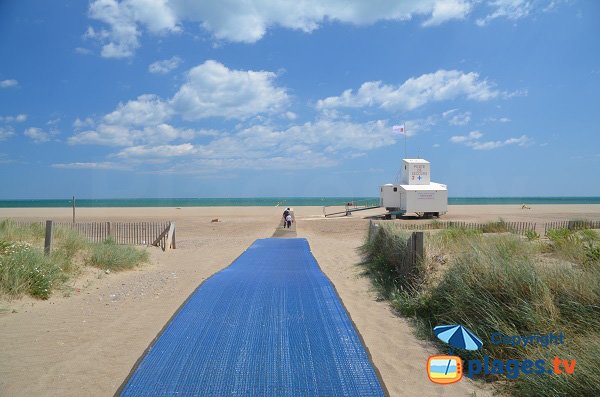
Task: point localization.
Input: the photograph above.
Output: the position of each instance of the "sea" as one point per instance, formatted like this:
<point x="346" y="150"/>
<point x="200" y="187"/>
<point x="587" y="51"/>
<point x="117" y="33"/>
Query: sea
<point x="274" y="201"/>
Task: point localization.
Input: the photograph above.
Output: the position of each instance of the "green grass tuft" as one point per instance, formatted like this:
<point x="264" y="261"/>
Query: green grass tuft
<point x="26" y="270"/>
<point x="532" y="235"/>
<point x="495" y="227"/>
<point x="581" y="247"/>
<point x="11" y="231"/>
<point x="108" y="255"/>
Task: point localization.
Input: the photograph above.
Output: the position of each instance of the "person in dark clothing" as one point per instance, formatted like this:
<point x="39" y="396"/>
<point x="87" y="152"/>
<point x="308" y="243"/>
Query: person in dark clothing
<point x="285" y="214"/>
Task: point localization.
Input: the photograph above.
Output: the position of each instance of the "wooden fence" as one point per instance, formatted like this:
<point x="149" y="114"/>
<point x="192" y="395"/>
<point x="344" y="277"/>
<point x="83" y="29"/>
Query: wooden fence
<point x="571" y="225"/>
<point x="520" y="228"/>
<point x="130" y="233"/>
<point x="491" y="227"/>
<point x="407" y="261"/>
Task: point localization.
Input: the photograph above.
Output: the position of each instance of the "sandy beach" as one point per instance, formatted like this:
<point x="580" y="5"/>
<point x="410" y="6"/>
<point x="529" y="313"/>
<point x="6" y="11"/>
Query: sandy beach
<point x="87" y="343"/>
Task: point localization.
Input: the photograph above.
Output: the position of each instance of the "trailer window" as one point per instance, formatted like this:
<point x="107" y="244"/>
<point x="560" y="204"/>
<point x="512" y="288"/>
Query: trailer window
<point x="395" y="189"/>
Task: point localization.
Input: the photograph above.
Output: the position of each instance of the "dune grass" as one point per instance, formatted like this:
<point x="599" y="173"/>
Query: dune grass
<point x="110" y="256"/>
<point x="11" y="231"/>
<point x="25" y="270"/>
<point x="579" y="246"/>
<point x="492" y="283"/>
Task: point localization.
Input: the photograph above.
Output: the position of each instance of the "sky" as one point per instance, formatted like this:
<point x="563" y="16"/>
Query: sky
<point x="281" y="98"/>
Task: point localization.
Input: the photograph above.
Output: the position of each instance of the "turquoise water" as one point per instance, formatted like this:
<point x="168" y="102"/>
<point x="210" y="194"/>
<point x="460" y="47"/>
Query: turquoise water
<point x="273" y="201"/>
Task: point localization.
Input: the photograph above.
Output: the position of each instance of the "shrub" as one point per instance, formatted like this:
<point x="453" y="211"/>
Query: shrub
<point x="495" y="227"/>
<point x="532" y="235"/>
<point x="68" y="242"/>
<point x="27" y="270"/>
<point x="109" y="255"/>
<point x="578" y="246"/>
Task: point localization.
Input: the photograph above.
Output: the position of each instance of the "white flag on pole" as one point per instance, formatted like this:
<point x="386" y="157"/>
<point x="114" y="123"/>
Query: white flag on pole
<point x="399" y="129"/>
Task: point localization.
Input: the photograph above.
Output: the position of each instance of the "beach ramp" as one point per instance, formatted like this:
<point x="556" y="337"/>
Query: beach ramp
<point x="270" y="324"/>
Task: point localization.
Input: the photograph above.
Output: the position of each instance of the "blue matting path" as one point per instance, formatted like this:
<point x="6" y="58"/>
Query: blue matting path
<point x="270" y="324"/>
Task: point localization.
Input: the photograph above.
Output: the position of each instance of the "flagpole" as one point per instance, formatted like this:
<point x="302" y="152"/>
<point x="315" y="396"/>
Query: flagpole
<point x="405" y="155"/>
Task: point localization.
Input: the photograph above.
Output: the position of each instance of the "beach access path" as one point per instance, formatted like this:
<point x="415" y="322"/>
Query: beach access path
<point x="86" y="343"/>
<point x="270" y="324"/>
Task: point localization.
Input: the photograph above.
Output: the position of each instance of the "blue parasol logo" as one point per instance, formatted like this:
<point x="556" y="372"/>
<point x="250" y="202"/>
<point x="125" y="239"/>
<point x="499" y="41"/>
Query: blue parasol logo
<point x="458" y="337"/>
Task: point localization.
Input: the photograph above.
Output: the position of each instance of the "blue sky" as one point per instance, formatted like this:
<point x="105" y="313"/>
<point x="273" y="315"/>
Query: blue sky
<point x="141" y="98"/>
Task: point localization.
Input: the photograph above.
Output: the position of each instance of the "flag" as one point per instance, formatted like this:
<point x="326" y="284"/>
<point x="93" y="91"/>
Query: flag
<point x="399" y="129"/>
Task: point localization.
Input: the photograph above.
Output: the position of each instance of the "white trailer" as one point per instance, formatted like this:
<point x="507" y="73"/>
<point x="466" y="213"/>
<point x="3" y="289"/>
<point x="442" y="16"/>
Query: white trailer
<point x="417" y="194"/>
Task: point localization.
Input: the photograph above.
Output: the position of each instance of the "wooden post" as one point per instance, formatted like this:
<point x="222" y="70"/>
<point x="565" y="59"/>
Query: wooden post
<point x="418" y="247"/>
<point x="48" y="239"/>
<point x="173" y="245"/>
<point x="108" y="230"/>
<point x="170" y="244"/>
<point x="73" y="209"/>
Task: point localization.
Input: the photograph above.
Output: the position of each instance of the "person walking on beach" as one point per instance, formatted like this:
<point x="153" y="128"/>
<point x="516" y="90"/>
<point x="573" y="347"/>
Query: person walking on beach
<point x="285" y="215"/>
<point x="288" y="220"/>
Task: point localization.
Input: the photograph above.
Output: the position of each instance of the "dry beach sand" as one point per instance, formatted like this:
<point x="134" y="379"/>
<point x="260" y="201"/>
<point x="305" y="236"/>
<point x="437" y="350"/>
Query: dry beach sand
<point x="87" y="343"/>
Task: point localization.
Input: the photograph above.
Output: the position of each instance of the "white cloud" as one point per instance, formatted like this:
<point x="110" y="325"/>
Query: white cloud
<point x="79" y="124"/>
<point x="37" y="135"/>
<point x="6" y="132"/>
<point x="104" y="134"/>
<point x="83" y="51"/>
<point x="248" y="20"/>
<point x="309" y="145"/>
<point x="457" y="119"/>
<point x="472" y="140"/>
<point x="164" y="66"/>
<point x="446" y="10"/>
<point x="304" y="160"/>
<point x="510" y="9"/>
<point x="8" y="83"/>
<point x="473" y="135"/>
<point x="447" y="113"/>
<point x="415" y="92"/>
<point x="19" y="118"/>
<point x="4" y="159"/>
<point x="498" y="119"/>
<point x="126" y="135"/>
<point x="213" y="90"/>
<point x="416" y="126"/>
<point x="123" y="22"/>
<point x="516" y="93"/>
<point x="123" y="18"/>
<point x="145" y="110"/>
<point x="91" y="166"/>
<point x="158" y="151"/>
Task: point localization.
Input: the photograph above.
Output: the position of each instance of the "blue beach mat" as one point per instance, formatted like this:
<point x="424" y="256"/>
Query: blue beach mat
<point x="270" y="324"/>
